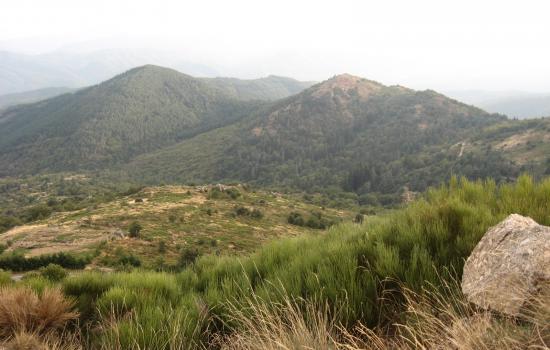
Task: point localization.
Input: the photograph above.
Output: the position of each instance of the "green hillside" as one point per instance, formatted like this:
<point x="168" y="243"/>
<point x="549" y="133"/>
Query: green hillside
<point x="347" y="132"/>
<point x="136" y="112"/>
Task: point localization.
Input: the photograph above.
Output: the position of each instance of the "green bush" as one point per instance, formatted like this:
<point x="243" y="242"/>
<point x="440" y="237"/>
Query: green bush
<point x="187" y="257"/>
<point x="233" y="193"/>
<point x="242" y="211"/>
<point x="256" y="214"/>
<point x="53" y="272"/>
<point x="17" y="262"/>
<point x="228" y="193"/>
<point x="129" y="260"/>
<point x="134" y="229"/>
<point x="295" y="218"/>
<point x="162" y="247"/>
<point x="315" y="220"/>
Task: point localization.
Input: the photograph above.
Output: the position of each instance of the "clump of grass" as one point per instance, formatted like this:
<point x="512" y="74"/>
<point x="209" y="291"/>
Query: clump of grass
<point x="22" y="310"/>
<point x="5" y="278"/>
<point x="152" y="327"/>
<point x="31" y="341"/>
<point x="292" y="324"/>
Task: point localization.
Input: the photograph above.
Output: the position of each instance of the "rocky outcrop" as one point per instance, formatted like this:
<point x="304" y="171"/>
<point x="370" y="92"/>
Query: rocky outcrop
<point x="508" y="266"/>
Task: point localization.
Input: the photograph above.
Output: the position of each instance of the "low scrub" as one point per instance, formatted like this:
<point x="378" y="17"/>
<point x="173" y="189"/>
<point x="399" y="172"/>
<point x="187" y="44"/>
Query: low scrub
<point x="17" y="262"/>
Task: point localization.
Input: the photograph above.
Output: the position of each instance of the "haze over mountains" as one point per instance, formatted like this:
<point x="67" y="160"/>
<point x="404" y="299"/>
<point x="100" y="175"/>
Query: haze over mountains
<point x="155" y="124"/>
<point x="515" y="104"/>
<point x="36" y="76"/>
<point x="24" y="72"/>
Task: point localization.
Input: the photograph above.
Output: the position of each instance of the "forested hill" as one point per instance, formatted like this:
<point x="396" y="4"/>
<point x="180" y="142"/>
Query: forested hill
<point x="347" y="132"/>
<point x="136" y="112"/>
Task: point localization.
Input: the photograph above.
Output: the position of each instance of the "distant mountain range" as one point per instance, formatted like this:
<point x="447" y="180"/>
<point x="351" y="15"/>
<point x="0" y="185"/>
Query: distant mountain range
<point x="153" y="125"/>
<point x="21" y="72"/>
<point x="515" y="104"/>
<point x="32" y="96"/>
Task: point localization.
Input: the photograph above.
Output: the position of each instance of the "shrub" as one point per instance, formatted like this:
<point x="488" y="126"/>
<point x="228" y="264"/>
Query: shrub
<point x="53" y="272"/>
<point x="37" y="212"/>
<point x="7" y="222"/>
<point x="295" y="218"/>
<point x="315" y="220"/>
<point x="162" y="247"/>
<point x="134" y="229"/>
<point x="187" y="257"/>
<point x="129" y="260"/>
<point x="242" y="211"/>
<point x="233" y="193"/>
<point x="17" y="262"/>
<point x="216" y="193"/>
<point x="256" y="214"/>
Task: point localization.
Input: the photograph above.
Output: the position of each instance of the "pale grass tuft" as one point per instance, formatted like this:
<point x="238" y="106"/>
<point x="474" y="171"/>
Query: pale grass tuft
<point x="22" y="310"/>
<point x="32" y="341"/>
<point x="288" y="325"/>
<point x="435" y="319"/>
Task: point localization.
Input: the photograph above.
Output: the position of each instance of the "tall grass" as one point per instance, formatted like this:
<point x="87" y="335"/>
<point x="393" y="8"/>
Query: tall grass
<point x="437" y="318"/>
<point x="359" y="274"/>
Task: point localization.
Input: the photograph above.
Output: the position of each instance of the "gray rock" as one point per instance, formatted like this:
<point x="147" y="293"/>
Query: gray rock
<point x="117" y="234"/>
<point x="508" y="266"/>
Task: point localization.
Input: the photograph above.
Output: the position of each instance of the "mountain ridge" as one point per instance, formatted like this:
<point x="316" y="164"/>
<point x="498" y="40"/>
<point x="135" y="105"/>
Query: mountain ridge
<point x="152" y="124"/>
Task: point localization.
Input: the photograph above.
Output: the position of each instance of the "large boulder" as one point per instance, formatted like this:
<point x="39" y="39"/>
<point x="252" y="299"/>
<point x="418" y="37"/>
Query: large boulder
<point x="508" y="266"/>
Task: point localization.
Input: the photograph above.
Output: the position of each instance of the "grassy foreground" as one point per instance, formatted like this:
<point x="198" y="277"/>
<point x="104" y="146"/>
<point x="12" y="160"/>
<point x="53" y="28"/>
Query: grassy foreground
<point x="388" y="283"/>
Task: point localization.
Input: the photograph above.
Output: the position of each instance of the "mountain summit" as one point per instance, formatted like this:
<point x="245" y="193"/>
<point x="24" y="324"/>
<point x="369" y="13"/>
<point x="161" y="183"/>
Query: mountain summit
<point x="347" y="83"/>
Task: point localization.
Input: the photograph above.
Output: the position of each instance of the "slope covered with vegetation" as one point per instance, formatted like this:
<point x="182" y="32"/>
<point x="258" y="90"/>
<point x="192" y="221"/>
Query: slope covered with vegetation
<point x="136" y="112"/>
<point x="354" y="276"/>
<point x="344" y="135"/>
<point x="347" y="133"/>
<point x="156" y="227"/>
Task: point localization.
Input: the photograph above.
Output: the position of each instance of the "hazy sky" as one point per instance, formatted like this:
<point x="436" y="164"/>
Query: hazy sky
<point x="460" y="44"/>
